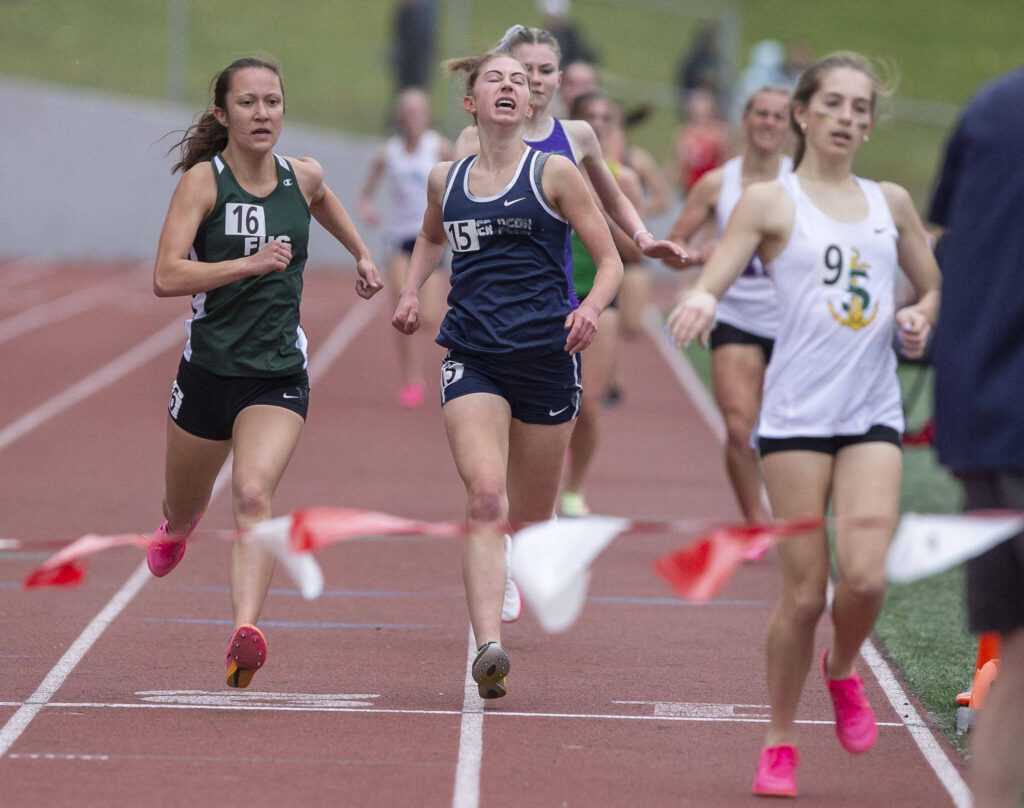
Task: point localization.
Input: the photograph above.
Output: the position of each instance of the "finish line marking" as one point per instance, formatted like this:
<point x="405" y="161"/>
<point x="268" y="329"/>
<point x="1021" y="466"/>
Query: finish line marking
<point x="337" y="703"/>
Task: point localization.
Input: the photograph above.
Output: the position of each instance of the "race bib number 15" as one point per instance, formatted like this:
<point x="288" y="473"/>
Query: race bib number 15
<point x="462" y="235"/>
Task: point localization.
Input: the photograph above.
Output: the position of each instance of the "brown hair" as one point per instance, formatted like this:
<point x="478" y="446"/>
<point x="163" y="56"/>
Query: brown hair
<point x="206" y="136"/>
<point x="471" y="66"/>
<point x="810" y="83"/>
<point x="521" y="35"/>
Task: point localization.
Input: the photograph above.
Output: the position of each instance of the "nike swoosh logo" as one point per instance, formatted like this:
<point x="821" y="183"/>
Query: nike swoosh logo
<point x="881" y="229"/>
<point x="513" y="201"/>
<point x="553" y="413"/>
<point x="285" y="395"/>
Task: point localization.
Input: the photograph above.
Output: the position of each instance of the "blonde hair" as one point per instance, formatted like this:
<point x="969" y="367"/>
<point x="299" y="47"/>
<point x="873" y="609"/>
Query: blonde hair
<point x="521" y="35"/>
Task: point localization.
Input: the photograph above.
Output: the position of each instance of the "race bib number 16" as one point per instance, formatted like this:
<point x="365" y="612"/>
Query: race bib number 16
<point x="241" y="219"/>
<point x="462" y="235"/>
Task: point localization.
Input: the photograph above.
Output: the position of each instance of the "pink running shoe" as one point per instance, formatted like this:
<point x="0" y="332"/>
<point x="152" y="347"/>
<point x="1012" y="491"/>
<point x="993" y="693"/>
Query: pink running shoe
<point x="411" y="396"/>
<point x="247" y="651"/>
<point x="855" y="721"/>
<point x="776" y="772"/>
<point x="165" y="553"/>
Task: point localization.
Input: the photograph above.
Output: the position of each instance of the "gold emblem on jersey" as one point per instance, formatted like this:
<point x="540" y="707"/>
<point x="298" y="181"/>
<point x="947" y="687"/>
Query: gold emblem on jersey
<point x="853" y="311"/>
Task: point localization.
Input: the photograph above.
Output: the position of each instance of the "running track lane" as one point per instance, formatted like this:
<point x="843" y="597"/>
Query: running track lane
<point x="376" y="668"/>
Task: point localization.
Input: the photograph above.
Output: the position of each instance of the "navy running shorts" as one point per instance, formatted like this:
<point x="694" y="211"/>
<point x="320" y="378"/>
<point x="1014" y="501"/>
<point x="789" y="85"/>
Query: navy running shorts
<point x="206" y="404"/>
<point x="540" y="390"/>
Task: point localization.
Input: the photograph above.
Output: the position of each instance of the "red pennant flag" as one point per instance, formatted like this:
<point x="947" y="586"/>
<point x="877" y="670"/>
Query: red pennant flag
<point x="700" y="570"/>
<point x="65" y="568"/>
<point x="313" y="528"/>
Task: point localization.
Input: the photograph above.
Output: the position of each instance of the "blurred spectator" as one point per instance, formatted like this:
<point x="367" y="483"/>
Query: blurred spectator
<point x="979" y="396"/>
<point x="799" y="56"/>
<point x="578" y="78"/>
<point x="766" y="68"/>
<point x="412" y="45"/>
<point x="700" y="139"/>
<point x="703" y="67"/>
<point x="558" y="21"/>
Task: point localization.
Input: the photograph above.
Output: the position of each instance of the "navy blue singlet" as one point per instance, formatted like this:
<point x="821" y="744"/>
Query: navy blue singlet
<point x="557" y="142"/>
<point x="509" y="291"/>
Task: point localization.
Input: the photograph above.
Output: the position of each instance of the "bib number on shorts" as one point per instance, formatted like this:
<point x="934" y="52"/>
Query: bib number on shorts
<point x="462" y="235"/>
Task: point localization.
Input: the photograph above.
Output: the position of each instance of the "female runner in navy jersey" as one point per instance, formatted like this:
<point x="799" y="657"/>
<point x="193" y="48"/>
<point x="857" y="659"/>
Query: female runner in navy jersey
<point x="831" y="413"/>
<point x="235" y="239"/>
<point x="510" y="385"/>
<point x="539" y="51"/>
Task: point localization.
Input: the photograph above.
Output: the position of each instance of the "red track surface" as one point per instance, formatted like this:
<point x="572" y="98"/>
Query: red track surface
<point x="383" y="652"/>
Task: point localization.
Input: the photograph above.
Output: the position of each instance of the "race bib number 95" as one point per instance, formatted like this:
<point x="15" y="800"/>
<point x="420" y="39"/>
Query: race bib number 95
<point x="462" y="236"/>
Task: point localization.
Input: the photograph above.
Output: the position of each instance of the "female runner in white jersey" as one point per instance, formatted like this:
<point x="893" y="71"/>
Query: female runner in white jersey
<point x="831" y="416"/>
<point x="510" y="386"/>
<point x="538" y="50"/>
<point x="405" y="161"/>
<point x="240" y="271"/>
<point x="747" y="316"/>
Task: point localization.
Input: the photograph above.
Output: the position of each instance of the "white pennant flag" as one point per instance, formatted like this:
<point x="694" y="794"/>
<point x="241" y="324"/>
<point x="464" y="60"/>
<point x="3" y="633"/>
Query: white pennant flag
<point x="275" y="535"/>
<point x="927" y="544"/>
<point x="551" y="564"/>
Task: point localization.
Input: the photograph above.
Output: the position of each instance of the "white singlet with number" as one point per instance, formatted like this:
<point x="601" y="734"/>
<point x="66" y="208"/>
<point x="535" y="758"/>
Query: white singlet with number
<point x="750" y="303"/>
<point x="833" y="370"/>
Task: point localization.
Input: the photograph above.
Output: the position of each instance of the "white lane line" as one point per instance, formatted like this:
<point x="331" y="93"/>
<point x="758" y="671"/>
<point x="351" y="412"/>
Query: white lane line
<point x="471" y="739"/>
<point x="52" y="311"/>
<point x="335" y="343"/>
<point x="299" y="708"/>
<point x="19" y="722"/>
<point x="919" y="730"/>
<point x="93" y="383"/>
<point x="932" y="750"/>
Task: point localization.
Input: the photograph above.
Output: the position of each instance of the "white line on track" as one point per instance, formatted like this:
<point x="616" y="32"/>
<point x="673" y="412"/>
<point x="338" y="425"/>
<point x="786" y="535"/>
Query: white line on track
<point x="52" y="311"/>
<point x="93" y="383"/>
<point x="473" y="774"/>
<point x="471" y="739"/>
<point x="932" y="750"/>
<point x="355" y="319"/>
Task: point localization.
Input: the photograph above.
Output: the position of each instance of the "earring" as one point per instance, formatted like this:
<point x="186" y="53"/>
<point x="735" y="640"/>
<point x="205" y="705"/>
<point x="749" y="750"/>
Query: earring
<point x="803" y="126"/>
<point x="866" y="138"/>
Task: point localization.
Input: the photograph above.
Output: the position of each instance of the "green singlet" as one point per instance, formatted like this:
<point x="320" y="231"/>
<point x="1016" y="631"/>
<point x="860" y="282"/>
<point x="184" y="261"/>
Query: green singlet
<point x="584" y="270"/>
<point x="250" y="327"/>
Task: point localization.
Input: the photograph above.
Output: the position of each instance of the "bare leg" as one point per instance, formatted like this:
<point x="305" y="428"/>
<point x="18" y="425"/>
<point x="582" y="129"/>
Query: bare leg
<point x="478" y="433"/>
<point x="411" y="349"/>
<point x="866" y="483"/>
<point x="264" y="438"/>
<point x="190" y="470"/>
<point x="738" y="376"/>
<point x="997" y="745"/>
<point x="798" y="484"/>
<point x="598" y="364"/>
<point x="536" y="456"/>
<point x="633" y="296"/>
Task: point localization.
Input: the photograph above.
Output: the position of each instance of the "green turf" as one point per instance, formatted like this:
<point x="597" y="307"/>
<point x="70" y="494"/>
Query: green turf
<point x="923" y="627"/>
<point x="337" y="75"/>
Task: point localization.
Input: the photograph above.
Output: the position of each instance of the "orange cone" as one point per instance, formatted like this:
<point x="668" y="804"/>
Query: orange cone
<point x="985" y="670"/>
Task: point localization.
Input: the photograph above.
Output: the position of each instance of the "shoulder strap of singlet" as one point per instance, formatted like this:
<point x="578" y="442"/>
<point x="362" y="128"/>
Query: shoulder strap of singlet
<point x="449" y="180"/>
<point x="539" y="160"/>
